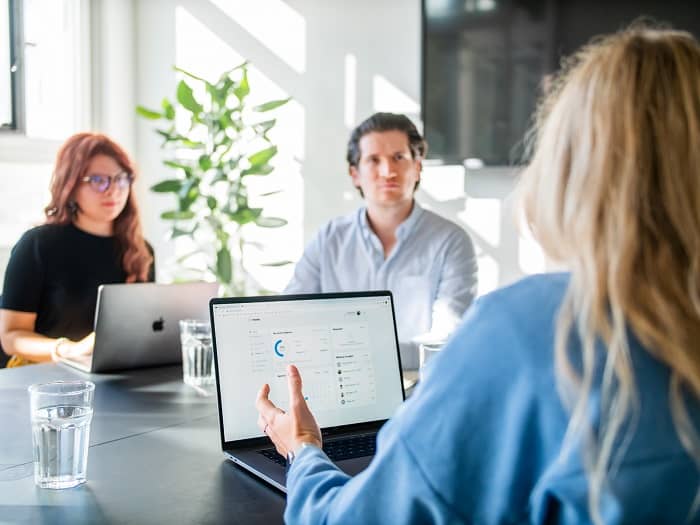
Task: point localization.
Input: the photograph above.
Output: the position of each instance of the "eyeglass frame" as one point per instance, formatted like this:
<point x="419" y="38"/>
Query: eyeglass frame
<point x="110" y="178"/>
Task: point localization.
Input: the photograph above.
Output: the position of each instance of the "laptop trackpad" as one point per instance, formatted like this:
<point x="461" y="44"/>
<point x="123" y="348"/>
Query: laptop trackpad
<point x="355" y="465"/>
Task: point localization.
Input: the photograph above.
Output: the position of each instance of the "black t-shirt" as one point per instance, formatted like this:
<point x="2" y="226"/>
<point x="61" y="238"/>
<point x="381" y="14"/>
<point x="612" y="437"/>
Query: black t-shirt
<point x="54" y="271"/>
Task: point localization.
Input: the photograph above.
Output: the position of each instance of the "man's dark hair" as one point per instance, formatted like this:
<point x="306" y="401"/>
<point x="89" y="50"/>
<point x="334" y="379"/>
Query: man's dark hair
<point x="386" y="122"/>
<point x="380" y="122"/>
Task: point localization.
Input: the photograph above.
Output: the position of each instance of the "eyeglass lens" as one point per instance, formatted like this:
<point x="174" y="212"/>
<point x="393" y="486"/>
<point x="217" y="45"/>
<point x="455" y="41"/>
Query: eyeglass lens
<point x="101" y="183"/>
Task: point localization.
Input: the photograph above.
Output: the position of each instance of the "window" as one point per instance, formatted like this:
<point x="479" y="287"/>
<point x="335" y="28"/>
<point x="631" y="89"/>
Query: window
<point x="45" y="82"/>
<point x="7" y="119"/>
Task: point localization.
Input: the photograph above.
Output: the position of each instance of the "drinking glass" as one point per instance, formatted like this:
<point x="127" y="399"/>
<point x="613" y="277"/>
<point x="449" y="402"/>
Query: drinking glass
<point x="197" y="353"/>
<point x="61" y="413"/>
<point x="427" y="351"/>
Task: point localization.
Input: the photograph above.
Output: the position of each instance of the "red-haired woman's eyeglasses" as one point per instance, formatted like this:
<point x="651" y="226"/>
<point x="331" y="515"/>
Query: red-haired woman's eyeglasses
<point x="101" y="183"/>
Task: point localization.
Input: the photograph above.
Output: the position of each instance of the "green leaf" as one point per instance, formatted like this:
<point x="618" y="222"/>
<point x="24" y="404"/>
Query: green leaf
<point x="271" y="222"/>
<point x="263" y="127"/>
<point x="186" y="98"/>
<point x="211" y="202"/>
<point x="169" y="137"/>
<point x="273" y="104"/>
<point x="242" y="87"/>
<point x="277" y="263"/>
<point x="177" y="165"/>
<point x="190" y="143"/>
<point x="268" y="193"/>
<point x="189" y="193"/>
<point x="225" y="120"/>
<point x="205" y="162"/>
<point x="168" y="109"/>
<point x="191" y="75"/>
<point x="245" y="215"/>
<point x="166" y="186"/>
<point x="223" y="265"/>
<point x="177" y="215"/>
<point x="264" y="169"/>
<point x="179" y="232"/>
<point x="221" y="90"/>
<point x="262" y="156"/>
<point x="148" y="113"/>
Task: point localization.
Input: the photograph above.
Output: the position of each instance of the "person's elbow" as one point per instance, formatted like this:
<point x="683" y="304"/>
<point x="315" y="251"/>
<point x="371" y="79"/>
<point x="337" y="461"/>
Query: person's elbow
<point x="12" y="324"/>
<point x="6" y="342"/>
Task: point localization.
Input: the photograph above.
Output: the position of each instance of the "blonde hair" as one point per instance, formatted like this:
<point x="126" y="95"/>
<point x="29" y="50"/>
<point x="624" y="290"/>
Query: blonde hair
<point x="613" y="191"/>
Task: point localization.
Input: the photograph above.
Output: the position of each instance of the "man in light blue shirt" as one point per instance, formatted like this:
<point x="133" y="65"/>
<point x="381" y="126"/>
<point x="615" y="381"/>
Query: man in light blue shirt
<point x="392" y="243"/>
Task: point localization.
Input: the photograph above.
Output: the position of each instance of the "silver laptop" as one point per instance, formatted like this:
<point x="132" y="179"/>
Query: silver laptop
<point x="137" y="325"/>
<point x="347" y="352"/>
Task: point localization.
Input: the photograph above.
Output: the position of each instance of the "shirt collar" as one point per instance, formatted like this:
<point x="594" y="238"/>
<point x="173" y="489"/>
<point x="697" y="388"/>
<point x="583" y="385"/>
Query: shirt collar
<point x="404" y="228"/>
<point x="408" y="224"/>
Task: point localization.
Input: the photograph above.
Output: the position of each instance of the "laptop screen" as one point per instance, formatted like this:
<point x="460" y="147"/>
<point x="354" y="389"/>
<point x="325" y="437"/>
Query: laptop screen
<point x="343" y="344"/>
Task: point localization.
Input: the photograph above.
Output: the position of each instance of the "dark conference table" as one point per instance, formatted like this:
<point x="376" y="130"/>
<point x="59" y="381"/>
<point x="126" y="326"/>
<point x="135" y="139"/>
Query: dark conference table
<point x="155" y="456"/>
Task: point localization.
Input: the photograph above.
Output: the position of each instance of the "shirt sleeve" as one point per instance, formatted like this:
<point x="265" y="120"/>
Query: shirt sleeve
<point x="307" y="272"/>
<point x="451" y="454"/>
<point x="391" y="490"/>
<point x="24" y="276"/>
<point x="457" y="286"/>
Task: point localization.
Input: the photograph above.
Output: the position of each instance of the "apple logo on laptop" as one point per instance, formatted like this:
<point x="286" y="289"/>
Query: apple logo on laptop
<point x="158" y="325"/>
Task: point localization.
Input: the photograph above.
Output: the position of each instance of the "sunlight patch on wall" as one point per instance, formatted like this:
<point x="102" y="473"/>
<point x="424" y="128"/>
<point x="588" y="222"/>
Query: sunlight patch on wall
<point x="350" y="90"/>
<point x="443" y="183"/>
<point x="488" y="274"/>
<point x="483" y="217"/>
<point x="530" y="255"/>
<point x="274" y="24"/>
<point x="387" y="97"/>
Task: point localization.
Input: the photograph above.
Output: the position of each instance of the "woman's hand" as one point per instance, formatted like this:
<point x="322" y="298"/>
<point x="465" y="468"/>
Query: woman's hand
<point x="80" y="348"/>
<point x="288" y="430"/>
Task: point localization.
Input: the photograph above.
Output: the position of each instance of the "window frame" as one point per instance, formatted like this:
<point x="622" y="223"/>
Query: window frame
<point x="15" y="145"/>
<point x="17" y="123"/>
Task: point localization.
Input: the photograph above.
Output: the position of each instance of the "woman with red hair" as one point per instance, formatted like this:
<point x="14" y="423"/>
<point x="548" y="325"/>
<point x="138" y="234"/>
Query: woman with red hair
<point x="92" y="236"/>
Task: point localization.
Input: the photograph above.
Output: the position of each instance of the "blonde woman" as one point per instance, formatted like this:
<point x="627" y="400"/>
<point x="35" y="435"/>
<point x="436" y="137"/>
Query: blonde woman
<point x="565" y="398"/>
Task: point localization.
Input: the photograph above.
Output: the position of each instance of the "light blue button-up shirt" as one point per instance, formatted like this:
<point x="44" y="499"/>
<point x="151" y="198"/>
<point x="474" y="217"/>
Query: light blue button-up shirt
<point x="431" y="271"/>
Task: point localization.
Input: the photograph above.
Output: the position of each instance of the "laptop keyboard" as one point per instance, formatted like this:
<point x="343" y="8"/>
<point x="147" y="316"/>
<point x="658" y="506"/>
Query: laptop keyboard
<point x="337" y="449"/>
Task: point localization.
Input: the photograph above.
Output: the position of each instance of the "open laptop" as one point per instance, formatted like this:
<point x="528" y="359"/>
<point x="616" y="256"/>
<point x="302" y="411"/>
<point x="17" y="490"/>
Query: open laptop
<point x="137" y="325"/>
<point x="347" y="352"/>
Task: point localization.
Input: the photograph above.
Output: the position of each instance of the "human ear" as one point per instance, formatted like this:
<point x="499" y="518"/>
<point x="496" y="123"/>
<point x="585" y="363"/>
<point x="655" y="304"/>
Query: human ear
<point x="355" y="176"/>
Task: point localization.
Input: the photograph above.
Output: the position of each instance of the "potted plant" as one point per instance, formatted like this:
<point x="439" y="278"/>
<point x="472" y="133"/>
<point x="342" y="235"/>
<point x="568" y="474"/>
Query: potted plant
<point x="226" y="141"/>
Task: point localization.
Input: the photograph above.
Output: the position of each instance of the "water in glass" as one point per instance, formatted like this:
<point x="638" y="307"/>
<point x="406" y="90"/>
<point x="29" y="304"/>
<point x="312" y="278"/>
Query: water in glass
<point x="61" y="437"/>
<point x="197" y="353"/>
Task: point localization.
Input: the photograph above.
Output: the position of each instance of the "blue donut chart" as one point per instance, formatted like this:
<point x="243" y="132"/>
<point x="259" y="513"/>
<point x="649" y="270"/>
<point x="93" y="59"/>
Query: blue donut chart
<point x="277" y="351"/>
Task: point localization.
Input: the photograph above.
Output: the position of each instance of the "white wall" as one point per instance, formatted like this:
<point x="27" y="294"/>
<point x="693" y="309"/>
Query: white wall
<point x="308" y="56"/>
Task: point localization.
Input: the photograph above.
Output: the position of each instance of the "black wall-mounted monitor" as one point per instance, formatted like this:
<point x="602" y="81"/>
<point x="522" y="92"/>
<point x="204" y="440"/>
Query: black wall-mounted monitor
<point x="484" y="62"/>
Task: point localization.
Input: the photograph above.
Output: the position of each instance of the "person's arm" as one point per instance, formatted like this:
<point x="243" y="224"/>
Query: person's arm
<point x="21" y="300"/>
<point x="465" y="448"/>
<point x="458" y="283"/>
<point x="18" y="338"/>
<point x="307" y="272"/>
<point x="393" y="475"/>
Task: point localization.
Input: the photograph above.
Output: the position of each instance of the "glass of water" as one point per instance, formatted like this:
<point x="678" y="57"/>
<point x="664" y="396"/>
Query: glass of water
<point x="61" y="413"/>
<point x="197" y="353"/>
<point x="427" y="351"/>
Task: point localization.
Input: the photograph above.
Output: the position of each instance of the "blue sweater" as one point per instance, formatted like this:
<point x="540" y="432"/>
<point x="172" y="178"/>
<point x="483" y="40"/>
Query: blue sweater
<point x="480" y="441"/>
